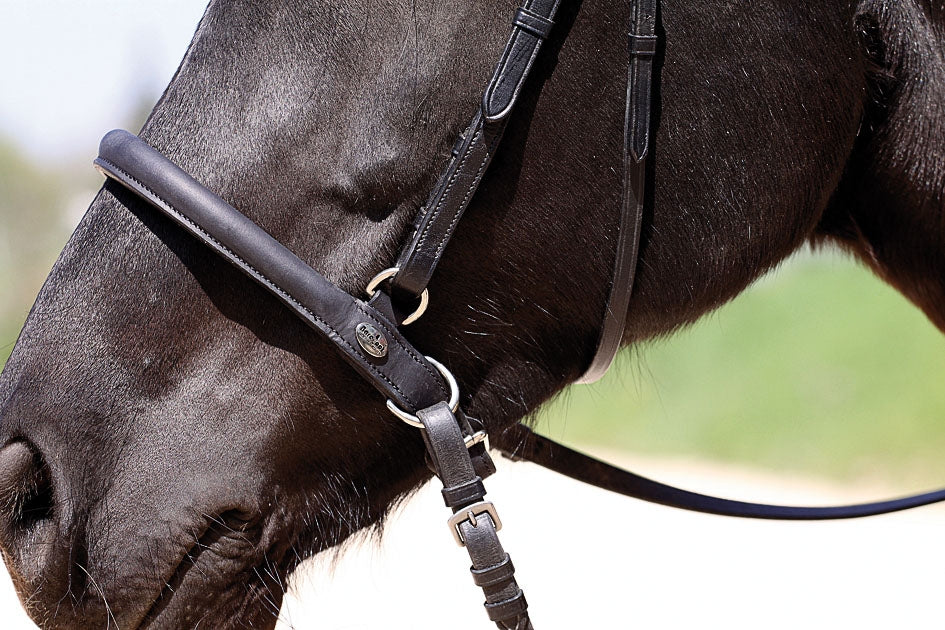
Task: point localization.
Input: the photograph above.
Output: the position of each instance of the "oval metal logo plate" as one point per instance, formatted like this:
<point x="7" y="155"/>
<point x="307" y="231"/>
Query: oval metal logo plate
<point x="371" y="339"/>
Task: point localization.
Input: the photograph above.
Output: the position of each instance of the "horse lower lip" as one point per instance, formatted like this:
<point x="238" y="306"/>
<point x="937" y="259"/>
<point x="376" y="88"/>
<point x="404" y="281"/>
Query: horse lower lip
<point x="172" y="598"/>
<point x="165" y="598"/>
<point x="228" y="546"/>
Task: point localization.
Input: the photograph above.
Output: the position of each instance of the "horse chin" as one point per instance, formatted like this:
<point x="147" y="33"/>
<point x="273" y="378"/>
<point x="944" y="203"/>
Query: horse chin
<point x="196" y="604"/>
<point x="228" y="577"/>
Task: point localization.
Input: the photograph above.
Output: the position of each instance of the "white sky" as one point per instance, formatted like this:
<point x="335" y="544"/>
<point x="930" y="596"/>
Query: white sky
<point x="70" y="70"/>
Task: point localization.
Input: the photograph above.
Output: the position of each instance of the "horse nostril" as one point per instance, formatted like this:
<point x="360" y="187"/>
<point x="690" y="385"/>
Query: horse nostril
<point x="25" y="492"/>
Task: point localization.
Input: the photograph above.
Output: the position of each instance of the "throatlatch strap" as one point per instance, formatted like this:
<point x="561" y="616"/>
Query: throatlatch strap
<point x="521" y="444"/>
<point x="642" y="49"/>
<point x="475" y="522"/>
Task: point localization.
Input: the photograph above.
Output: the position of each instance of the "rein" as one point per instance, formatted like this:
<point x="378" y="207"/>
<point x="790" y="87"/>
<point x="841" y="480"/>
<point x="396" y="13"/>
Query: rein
<point x="420" y="390"/>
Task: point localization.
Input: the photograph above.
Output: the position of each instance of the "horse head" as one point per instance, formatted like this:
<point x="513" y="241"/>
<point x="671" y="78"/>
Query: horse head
<point x="176" y="441"/>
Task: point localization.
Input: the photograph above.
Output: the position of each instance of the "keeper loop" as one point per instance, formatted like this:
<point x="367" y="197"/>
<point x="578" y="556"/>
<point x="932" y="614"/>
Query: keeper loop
<point x="533" y="23"/>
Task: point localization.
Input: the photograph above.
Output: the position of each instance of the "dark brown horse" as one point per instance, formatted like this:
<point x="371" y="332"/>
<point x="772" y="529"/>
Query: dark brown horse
<point x="175" y="441"/>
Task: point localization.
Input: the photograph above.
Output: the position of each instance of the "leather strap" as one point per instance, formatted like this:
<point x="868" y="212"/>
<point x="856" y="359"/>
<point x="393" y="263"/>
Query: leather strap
<point x="402" y="375"/>
<point x="475" y="149"/>
<point x="642" y="48"/>
<point x="532" y="23"/>
<point x="643" y="44"/>
<point x="439" y="217"/>
<point x="522" y="444"/>
<point x="473" y="153"/>
<point x="492" y="568"/>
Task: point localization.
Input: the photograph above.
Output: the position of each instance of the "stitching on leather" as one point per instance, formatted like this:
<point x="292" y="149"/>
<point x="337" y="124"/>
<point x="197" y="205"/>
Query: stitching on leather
<point x="469" y="191"/>
<point x="506" y="55"/>
<point x="501" y="74"/>
<point x="279" y="290"/>
<point x="461" y="208"/>
<point x="638" y="126"/>
<point x="269" y="283"/>
<point x="407" y="349"/>
<point x="439" y="204"/>
<point x="633" y="125"/>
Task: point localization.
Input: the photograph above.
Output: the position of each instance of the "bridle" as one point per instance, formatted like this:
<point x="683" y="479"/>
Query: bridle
<point x="419" y="390"/>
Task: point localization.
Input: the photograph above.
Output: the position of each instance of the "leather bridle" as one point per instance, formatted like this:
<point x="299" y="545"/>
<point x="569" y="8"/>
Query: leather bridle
<point x="418" y="389"/>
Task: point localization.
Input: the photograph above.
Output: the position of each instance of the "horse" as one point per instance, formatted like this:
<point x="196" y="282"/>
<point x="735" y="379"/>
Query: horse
<point x="176" y="442"/>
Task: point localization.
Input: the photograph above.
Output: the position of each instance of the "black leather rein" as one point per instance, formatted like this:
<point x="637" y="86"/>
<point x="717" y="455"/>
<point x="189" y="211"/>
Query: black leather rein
<point x="419" y="390"/>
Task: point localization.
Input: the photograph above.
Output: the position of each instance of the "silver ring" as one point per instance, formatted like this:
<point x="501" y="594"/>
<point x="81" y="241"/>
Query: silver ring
<point x="375" y="282"/>
<point x="413" y="420"/>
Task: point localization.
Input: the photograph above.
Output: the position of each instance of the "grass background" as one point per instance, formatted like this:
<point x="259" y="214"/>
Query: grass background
<point x="818" y="368"/>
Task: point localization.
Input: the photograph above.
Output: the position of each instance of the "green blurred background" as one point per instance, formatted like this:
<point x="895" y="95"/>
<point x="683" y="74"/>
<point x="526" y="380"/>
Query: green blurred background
<point x="819" y="368"/>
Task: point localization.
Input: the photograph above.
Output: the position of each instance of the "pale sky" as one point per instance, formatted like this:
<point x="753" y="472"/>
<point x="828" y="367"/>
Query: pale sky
<point x="70" y="70"/>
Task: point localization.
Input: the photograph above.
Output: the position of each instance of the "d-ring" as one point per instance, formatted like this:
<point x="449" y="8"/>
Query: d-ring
<point x="371" y="289"/>
<point x="413" y="420"/>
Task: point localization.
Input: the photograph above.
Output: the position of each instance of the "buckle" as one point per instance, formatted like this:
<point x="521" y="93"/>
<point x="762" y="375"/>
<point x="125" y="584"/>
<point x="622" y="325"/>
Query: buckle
<point x="476" y="438"/>
<point x="470" y="513"/>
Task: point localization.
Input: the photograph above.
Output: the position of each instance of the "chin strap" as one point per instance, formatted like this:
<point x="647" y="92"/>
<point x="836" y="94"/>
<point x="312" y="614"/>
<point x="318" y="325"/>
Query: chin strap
<point x="522" y="444"/>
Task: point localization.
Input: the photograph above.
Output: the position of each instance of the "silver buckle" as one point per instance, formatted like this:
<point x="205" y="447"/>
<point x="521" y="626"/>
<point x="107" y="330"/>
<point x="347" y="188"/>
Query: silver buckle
<point x="470" y="513"/>
<point x="476" y="438"/>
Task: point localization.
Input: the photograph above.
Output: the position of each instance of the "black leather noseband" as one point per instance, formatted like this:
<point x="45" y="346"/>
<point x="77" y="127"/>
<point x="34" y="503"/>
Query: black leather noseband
<point x="404" y="376"/>
<point x="418" y="389"/>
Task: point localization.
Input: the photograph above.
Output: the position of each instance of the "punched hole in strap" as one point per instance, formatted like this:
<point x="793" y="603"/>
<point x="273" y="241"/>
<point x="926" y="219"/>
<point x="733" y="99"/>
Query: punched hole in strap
<point x="533" y="23"/>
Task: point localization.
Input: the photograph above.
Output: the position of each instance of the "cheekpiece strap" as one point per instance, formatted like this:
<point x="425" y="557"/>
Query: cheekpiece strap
<point x="472" y="153"/>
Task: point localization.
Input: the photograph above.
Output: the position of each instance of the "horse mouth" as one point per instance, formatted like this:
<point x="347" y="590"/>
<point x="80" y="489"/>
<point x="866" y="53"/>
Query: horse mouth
<point x="223" y="578"/>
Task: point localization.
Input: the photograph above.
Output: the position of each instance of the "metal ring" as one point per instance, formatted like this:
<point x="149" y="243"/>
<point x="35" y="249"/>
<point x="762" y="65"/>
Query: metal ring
<point x="375" y="282"/>
<point x="413" y="420"/>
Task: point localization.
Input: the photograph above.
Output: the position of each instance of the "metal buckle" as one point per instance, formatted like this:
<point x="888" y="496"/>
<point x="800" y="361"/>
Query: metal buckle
<point x="413" y="420"/>
<point x="476" y="438"/>
<point x="470" y="513"/>
<point x="375" y="282"/>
